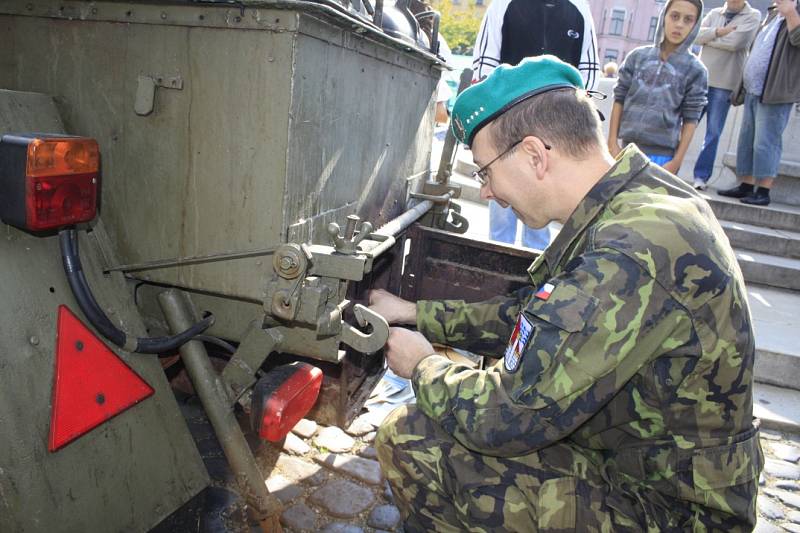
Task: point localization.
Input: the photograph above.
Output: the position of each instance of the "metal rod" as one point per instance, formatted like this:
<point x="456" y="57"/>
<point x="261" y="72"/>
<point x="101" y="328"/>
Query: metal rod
<point x="182" y="261"/>
<point x="435" y="198"/>
<point x="377" y="15"/>
<point x="395" y="226"/>
<point x="450" y="143"/>
<point x="178" y="312"/>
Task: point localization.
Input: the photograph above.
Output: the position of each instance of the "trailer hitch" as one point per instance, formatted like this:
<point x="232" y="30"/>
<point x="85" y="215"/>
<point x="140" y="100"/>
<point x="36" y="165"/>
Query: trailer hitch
<point x="366" y="342"/>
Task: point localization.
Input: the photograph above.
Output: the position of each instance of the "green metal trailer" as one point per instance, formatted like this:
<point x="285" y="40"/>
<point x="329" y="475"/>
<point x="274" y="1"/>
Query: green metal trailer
<point x="262" y="164"/>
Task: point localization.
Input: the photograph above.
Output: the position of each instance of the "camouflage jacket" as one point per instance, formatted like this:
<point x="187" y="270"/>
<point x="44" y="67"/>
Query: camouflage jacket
<point x="633" y="343"/>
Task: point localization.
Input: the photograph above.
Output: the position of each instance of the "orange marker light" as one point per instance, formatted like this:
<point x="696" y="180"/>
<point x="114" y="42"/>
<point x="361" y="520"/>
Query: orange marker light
<point x="60" y="157"/>
<point x="48" y="182"/>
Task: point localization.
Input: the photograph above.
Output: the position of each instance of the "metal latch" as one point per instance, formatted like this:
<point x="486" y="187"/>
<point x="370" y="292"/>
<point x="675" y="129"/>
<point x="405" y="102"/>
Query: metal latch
<point x="146" y="91"/>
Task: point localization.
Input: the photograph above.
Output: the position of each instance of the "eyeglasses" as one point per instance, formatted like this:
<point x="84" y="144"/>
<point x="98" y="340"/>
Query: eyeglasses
<point x="482" y="174"/>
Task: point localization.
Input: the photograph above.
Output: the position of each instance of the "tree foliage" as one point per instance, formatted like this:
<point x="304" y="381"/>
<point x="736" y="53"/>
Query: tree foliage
<point x="459" y="26"/>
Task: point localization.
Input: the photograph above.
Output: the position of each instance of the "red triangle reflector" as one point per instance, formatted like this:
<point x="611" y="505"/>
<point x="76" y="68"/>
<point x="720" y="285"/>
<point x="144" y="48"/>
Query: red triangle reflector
<point x="91" y="384"/>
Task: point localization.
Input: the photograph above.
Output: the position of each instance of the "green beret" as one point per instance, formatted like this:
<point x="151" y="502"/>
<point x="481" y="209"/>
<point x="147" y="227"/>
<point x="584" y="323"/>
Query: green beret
<point x="507" y="86"/>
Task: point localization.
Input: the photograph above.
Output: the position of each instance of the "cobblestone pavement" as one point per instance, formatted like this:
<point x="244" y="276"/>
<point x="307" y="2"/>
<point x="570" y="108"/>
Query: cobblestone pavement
<point x="329" y="481"/>
<point x="779" y="495"/>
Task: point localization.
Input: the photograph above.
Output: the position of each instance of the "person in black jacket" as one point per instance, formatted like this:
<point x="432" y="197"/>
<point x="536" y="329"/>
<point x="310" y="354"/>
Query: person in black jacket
<point x="512" y="30"/>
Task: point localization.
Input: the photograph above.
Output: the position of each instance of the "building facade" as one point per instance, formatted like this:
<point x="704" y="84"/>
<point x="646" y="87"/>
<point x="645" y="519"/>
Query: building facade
<point x="623" y="25"/>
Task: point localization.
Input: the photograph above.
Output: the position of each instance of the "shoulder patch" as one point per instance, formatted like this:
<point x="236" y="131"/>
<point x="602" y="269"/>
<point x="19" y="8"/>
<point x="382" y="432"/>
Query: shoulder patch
<point x="517" y="344"/>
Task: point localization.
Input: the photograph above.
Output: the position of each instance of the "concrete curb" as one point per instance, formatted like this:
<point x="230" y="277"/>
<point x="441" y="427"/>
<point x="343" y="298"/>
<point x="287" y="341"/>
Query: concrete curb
<point x="778" y="408"/>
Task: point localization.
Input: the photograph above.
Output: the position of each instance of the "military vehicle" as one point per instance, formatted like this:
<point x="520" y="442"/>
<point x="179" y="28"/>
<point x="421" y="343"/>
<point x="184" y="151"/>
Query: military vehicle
<point x="195" y="177"/>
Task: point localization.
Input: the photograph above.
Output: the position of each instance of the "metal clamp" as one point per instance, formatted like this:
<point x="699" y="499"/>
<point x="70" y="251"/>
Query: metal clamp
<point x="366" y="342"/>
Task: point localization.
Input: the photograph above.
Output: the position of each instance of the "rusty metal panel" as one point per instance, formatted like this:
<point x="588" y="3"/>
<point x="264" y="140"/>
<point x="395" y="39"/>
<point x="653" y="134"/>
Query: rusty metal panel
<point x="445" y="265"/>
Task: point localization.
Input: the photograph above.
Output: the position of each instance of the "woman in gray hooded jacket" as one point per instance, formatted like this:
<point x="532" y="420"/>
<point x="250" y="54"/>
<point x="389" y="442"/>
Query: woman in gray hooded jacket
<point x="661" y="90"/>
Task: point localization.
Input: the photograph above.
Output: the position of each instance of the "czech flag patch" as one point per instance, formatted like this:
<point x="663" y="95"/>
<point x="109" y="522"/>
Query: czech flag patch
<point x="544" y="291"/>
<point x="517" y="343"/>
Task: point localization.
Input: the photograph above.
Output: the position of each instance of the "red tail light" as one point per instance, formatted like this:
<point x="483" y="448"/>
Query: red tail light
<point x="282" y="397"/>
<point x="91" y="384"/>
<point x="48" y="181"/>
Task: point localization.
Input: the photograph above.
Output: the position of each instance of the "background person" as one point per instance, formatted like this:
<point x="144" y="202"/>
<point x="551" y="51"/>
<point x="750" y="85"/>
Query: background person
<point x="661" y="90"/>
<point x="512" y="30"/>
<point x="610" y="69"/>
<point x="771" y="84"/>
<point x="621" y="380"/>
<point x="725" y="34"/>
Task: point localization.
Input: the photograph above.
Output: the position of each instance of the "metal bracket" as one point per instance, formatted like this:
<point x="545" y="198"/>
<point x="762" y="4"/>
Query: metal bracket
<point x="240" y="372"/>
<point x="146" y="91"/>
<point x="366" y="342"/>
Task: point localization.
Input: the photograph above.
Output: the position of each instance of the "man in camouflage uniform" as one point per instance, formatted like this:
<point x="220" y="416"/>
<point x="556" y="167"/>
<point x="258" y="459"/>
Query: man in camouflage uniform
<point x="623" y="399"/>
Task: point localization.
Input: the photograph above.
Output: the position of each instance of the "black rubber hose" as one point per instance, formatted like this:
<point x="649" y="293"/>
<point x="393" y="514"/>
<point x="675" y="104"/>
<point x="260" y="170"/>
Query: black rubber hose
<point x="68" y="243"/>
<point x="86" y="301"/>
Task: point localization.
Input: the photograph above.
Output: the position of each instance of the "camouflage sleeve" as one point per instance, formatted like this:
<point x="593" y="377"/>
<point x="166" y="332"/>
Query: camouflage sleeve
<point x="604" y="319"/>
<point x="481" y="327"/>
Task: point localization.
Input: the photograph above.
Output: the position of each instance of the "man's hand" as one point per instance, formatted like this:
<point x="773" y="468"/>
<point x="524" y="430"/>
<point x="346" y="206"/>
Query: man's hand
<point x="672" y="166"/>
<point x="405" y="349"/>
<point x="725" y="30"/>
<point x="394" y="309"/>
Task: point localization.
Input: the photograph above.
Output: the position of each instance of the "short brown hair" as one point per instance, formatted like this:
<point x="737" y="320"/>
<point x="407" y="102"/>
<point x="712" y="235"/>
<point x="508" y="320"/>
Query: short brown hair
<point x="567" y="119"/>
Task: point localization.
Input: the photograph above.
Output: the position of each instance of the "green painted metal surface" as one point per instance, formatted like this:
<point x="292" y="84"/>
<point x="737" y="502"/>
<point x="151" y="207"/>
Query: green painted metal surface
<point x="286" y="120"/>
<point x="128" y="473"/>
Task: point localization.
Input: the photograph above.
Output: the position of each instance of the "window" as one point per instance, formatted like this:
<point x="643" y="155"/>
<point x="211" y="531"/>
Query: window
<point x="617" y="21"/>
<point x="611" y="55"/>
<point x="651" y="32"/>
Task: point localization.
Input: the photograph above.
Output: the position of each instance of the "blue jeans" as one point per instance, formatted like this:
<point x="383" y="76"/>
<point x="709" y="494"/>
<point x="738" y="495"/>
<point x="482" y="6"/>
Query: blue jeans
<point x="719" y="101"/>
<point x="503" y="228"/>
<point x="758" y="153"/>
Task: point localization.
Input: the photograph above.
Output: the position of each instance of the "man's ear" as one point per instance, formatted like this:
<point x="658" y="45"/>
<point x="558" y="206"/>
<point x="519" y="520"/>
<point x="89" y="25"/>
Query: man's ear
<point x="537" y="154"/>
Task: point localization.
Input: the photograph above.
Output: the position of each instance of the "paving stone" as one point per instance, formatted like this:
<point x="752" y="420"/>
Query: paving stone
<point x="360" y="426"/>
<point x="342" y="498"/>
<point x="793" y="516"/>
<point x="285" y="489"/>
<point x="300" y="517"/>
<point x="369" y="452"/>
<point x="769" y="508"/>
<point x="793" y="528"/>
<point x="296" y="445"/>
<point x="334" y="440"/>
<point x="785" y="452"/>
<point x="339" y="527"/>
<point x="764" y="526"/>
<point x="769" y="435"/>
<point x="384" y="517"/>
<point x="387" y="492"/>
<point x="366" y="470"/>
<point x="297" y="469"/>
<point x="369" y="438"/>
<point x="781" y="469"/>
<point x="787" y="485"/>
<point x="305" y="428"/>
<point x="762" y="479"/>
<point x="791" y="499"/>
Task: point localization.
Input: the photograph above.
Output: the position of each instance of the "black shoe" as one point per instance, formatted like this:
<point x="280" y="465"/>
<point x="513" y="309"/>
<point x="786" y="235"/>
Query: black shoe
<point x="740" y="191"/>
<point x="756" y="199"/>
